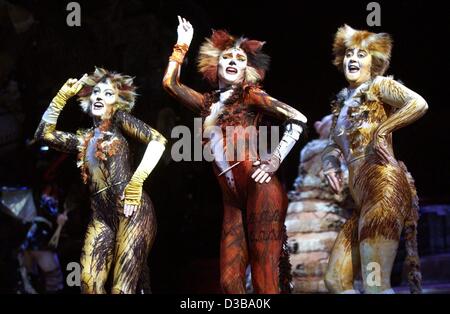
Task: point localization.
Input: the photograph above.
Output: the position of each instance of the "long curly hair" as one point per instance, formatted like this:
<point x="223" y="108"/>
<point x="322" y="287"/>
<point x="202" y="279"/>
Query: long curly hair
<point x="123" y="83"/>
<point x="378" y="45"/>
<point x="221" y="40"/>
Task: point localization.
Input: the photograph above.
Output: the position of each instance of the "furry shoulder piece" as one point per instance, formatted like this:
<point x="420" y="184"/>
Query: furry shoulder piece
<point x="212" y="48"/>
<point x="123" y="83"/>
<point x="378" y="45"/>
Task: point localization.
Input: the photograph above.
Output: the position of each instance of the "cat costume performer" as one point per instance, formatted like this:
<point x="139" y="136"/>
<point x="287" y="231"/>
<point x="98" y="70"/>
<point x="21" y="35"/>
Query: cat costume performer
<point x="122" y="228"/>
<point x="254" y="200"/>
<point x="365" y="115"/>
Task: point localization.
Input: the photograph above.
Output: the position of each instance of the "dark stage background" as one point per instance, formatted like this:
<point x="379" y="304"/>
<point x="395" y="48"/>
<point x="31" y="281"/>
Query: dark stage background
<point x="136" y="37"/>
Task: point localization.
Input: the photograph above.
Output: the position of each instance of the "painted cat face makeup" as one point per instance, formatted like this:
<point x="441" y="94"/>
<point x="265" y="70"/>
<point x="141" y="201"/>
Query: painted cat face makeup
<point x="103" y="97"/>
<point x="232" y="65"/>
<point x="366" y="49"/>
<point x="357" y="65"/>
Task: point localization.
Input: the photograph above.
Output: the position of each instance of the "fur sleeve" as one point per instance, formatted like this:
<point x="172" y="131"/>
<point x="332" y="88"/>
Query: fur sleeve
<point x="137" y="129"/>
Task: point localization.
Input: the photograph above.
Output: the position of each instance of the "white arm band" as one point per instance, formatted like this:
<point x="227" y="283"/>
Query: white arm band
<point x="51" y="114"/>
<point x="290" y="137"/>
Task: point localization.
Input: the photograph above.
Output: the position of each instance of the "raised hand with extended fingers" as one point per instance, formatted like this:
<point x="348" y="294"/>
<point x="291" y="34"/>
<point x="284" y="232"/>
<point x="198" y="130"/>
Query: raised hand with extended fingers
<point x="185" y="31"/>
<point x="72" y="87"/>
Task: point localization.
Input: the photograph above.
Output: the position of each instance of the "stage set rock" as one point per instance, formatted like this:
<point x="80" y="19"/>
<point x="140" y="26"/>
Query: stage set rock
<point x="315" y="216"/>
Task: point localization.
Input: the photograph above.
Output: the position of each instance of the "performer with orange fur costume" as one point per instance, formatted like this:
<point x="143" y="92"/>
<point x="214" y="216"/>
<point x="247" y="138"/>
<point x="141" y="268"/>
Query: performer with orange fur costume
<point x="123" y="226"/>
<point x="254" y="201"/>
<point x="365" y="115"/>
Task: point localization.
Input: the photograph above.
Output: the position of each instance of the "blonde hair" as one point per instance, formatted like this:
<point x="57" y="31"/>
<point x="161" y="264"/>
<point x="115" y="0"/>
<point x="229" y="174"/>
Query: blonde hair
<point x="123" y="83"/>
<point x="379" y="46"/>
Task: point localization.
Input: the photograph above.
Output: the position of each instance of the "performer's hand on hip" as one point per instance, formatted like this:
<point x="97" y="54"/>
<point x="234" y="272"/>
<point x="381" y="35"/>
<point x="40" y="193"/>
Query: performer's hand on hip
<point x="334" y="179"/>
<point x="185" y="32"/>
<point x="132" y="198"/>
<point x="266" y="169"/>
<point x="381" y="148"/>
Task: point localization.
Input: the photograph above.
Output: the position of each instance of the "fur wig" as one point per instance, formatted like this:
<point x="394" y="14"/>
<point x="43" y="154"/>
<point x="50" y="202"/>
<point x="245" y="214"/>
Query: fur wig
<point x="212" y="48"/>
<point x="378" y="45"/>
<point x="123" y="83"/>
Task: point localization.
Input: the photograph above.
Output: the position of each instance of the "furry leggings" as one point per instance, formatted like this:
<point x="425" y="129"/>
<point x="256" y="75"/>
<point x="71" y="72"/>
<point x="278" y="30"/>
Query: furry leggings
<point x="369" y="240"/>
<point x="252" y="232"/>
<point x="115" y="242"/>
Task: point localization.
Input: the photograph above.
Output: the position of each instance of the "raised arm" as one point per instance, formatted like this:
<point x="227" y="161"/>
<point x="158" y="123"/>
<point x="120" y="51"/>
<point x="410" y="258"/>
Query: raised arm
<point x="46" y="131"/>
<point x="294" y="121"/>
<point x="171" y="81"/>
<point x="410" y="107"/>
<point x="156" y="144"/>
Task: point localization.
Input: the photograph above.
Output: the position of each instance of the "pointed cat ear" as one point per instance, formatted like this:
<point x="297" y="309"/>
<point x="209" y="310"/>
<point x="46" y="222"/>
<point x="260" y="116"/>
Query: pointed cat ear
<point x="222" y="39"/>
<point x="99" y="72"/>
<point x="128" y="80"/>
<point x="348" y="30"/>
<point x="252" y="46"/>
